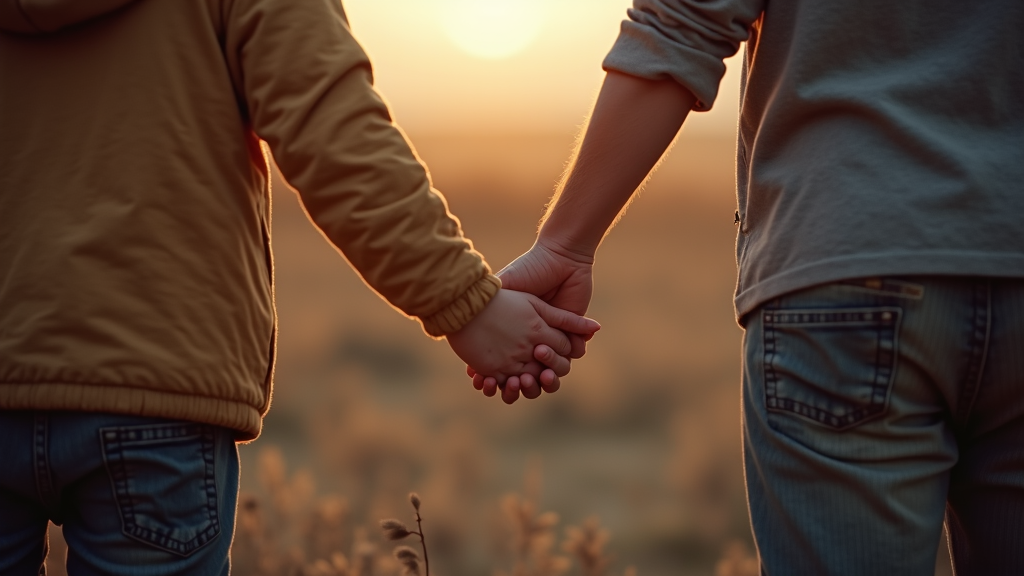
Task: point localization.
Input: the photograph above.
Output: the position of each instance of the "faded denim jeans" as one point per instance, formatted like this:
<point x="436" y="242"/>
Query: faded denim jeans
<point x="877" y="409"/>
<point x="139" y="496"/>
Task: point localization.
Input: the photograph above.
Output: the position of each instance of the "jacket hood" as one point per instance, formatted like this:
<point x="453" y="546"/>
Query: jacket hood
<point x="43" y="16"/>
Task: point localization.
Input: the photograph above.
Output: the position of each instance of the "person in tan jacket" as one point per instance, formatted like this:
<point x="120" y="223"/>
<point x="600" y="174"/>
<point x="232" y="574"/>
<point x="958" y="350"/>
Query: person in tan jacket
<point x="137" y="325"/>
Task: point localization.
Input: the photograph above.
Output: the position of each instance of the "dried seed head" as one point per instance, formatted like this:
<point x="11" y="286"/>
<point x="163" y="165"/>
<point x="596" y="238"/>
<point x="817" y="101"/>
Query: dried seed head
<point x="559" y="564"/>
<point x="394" y="529"/>
<point x="405" y="553"/>
<point x="414" y="498"/>
<point x="409" y="558"/>
<point x="339" y="562"/>
<point x="546" y="521"/>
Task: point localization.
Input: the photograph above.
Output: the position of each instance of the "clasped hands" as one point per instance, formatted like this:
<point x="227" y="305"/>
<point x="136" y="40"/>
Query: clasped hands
<point x="526" y="337"/>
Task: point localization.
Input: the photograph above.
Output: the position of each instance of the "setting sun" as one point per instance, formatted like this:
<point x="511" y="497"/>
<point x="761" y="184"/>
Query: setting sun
<point x="492" y="29"/>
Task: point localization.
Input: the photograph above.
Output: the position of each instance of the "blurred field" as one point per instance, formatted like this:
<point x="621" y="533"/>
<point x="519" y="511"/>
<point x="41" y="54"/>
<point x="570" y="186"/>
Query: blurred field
<point x="645" y="431"/>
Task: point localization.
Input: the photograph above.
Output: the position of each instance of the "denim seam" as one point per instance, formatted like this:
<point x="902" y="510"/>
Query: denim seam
<point x="770" y="378"/>
<point x="210" y="482"/>
<point x="113" y="440"/>
<point x="41" y="448"/>
<point x="979" y="350"/>
<point x="884" y="361"/>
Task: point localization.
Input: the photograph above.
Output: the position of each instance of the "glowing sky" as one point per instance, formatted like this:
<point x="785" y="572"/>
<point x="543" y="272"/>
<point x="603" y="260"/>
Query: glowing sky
<point x="492" y="29"/>
<point x="466" y="66"/>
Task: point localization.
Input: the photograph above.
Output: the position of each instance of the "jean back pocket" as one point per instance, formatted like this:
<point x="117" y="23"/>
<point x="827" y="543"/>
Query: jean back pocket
<point x="833" y="366"/>
<point x="164" y="483"/>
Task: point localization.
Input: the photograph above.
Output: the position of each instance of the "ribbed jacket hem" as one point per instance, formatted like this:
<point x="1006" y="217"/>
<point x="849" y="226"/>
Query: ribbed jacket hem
<point x="245" y="419"/>
<point x="457" y="314"/>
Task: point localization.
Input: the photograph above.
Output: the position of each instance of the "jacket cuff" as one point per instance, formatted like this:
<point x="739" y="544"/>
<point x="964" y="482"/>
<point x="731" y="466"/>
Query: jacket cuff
<point x="453" y="317"/>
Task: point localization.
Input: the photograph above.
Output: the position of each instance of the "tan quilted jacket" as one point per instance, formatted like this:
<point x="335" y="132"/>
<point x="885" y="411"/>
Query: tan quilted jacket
<point x="135" y="265"/>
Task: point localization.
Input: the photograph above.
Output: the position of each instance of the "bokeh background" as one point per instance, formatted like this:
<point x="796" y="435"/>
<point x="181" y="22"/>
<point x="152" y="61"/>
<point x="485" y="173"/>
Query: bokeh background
<point x="644" y="436"/>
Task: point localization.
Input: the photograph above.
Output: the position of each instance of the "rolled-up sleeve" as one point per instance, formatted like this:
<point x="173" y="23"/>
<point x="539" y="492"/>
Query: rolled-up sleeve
<point x="683" y="40"/>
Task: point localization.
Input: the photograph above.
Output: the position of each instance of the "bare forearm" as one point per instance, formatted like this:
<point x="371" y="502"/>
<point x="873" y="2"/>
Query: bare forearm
<point x="632" y="125"/>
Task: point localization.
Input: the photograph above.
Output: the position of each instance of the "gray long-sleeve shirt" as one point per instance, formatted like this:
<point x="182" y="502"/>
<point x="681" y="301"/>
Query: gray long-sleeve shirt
<point x="875" y="137"/>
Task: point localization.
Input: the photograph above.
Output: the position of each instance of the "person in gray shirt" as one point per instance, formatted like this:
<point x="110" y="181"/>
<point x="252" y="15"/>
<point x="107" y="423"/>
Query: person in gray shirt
<point x="880" y="173"/>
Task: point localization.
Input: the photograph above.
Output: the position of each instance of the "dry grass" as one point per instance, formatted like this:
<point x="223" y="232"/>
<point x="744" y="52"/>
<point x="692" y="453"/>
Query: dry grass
<point x="284" y="531"/>
<point x="737" y="561"/>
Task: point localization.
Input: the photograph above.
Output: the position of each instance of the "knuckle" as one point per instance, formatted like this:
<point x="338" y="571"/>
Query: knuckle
<point x="565" y="347"/>
<point x="536" y="324"/>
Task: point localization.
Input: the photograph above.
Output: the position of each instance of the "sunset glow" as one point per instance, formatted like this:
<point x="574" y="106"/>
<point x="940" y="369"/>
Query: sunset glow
<point x="502" y="66"/>
<point x="492" y="29"/>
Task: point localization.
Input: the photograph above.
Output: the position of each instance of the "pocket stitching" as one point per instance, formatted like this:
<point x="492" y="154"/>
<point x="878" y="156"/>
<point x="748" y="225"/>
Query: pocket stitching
<point x="113" y="440"/>
<point x="887" y="325"/>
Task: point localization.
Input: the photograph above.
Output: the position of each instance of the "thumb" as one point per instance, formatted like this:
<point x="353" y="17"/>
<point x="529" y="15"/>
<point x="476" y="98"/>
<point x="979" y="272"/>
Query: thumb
<point x="563" y="319"/>
<point x="513" y="276"/>
<point x="528" y="273"/>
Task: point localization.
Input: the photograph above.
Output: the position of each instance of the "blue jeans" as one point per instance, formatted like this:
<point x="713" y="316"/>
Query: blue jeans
<point x="140" y="496"/>
<point x="877" y="409"/>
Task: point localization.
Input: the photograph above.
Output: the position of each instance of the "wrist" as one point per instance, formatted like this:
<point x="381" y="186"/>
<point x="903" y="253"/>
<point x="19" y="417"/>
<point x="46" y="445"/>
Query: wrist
<point x="576" y="225"/>
<point x="565" y="247"/>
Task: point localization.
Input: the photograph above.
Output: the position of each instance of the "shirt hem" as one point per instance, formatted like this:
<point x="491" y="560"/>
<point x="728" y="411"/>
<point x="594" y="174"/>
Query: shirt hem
<point x="946" y="263"/>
